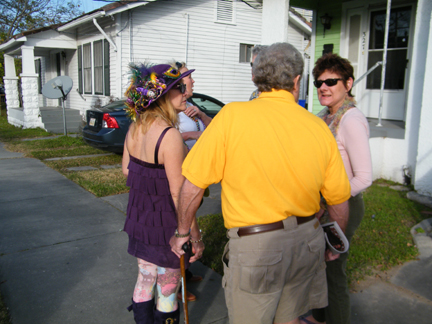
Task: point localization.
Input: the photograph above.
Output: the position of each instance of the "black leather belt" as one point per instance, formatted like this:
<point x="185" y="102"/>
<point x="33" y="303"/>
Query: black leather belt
<point x="255" y="229"/>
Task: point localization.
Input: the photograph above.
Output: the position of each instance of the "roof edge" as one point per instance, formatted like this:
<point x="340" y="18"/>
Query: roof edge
<point x="11" y="42"/>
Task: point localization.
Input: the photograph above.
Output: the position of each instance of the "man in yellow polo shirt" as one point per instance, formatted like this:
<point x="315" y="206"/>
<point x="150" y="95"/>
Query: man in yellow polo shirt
<point x="273" y="158"/>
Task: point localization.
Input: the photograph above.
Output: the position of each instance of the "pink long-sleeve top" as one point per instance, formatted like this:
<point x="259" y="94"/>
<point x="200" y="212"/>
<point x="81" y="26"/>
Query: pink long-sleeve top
<point x="353" y="142"/>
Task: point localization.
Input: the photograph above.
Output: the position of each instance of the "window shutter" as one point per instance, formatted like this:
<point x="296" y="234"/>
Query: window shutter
<point x="98" y="67"/>
<point x="80" y="71"/>
<point x="106" y="68"/>
<point x="224" y="11"/>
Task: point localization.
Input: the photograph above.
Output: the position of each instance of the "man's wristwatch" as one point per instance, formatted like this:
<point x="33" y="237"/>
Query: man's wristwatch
<point x="177" y="234"/>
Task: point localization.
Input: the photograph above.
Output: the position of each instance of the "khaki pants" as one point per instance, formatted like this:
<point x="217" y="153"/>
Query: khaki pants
<point x="275" y="276"/>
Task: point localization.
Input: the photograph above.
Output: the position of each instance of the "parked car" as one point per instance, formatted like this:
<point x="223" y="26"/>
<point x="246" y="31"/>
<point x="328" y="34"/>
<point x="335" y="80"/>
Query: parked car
<point x="107" y="127"/>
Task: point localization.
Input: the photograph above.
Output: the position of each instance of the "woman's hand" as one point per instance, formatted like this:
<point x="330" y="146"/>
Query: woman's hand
<point x="197" y="250"/>
<point x="330" y="256"/>
<point x="192" y="111"/>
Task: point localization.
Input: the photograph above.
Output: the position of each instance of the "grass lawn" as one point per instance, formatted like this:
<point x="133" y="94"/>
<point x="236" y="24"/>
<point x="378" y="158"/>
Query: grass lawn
<point x="9" y="132"/>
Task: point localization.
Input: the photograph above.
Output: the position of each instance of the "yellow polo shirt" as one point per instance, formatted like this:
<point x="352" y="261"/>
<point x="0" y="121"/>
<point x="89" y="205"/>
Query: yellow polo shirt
<point x="272" y="158"/>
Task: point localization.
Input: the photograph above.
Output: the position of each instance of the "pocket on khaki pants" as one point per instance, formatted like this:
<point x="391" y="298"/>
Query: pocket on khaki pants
<point x="261" y="271"/>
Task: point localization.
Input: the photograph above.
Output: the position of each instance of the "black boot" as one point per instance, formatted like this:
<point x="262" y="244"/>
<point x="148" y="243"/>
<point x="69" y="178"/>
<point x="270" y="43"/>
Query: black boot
<point x="143" y="312"/>
<point x="167" y="318"/>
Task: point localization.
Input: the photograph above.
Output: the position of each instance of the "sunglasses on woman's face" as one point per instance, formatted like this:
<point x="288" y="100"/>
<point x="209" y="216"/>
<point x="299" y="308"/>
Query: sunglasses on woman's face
<point x="328" y="82"/>
<point x="181" y="87"/>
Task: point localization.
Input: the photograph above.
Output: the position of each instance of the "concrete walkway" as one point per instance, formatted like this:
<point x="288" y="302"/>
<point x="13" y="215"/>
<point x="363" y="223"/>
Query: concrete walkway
<point x="63" y="255"/>
<point x="63" y="258"/>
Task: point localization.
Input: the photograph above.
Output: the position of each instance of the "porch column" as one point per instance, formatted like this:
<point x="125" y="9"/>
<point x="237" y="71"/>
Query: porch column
<point x="423" y="171"/>
<point x="29" y="87"/>
<point x="274" y="21"/>
<point x="11" y="91"/>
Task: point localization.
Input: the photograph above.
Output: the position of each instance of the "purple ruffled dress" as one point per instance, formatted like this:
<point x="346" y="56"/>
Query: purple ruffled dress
<point x="151" y="216"/>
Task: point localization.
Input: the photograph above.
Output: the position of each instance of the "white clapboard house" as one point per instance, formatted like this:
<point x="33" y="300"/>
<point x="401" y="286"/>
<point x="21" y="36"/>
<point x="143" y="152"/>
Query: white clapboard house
<point x="213" y="37"/>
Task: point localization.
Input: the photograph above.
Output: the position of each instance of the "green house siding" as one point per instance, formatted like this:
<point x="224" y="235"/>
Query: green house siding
<point x="332" y="36"/>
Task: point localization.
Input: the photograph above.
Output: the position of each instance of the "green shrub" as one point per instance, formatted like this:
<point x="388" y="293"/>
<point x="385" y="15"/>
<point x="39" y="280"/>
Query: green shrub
<point x="214" y="237"/>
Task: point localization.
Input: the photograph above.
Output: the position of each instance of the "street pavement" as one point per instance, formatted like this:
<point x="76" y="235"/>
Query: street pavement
<point x="63" y="258"/>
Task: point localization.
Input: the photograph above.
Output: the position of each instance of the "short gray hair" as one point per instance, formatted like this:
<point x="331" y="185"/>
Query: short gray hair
<point x="276" y="67"/>
<point x="257" y="49"/>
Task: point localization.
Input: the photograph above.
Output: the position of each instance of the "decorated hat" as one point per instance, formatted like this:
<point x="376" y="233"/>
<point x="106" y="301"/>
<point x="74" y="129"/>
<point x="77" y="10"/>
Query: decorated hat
<point x="148" y="84"/>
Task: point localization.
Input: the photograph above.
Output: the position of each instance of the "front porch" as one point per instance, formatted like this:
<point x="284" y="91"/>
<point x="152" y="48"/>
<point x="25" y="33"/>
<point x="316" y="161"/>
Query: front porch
<point x="390" y="128"/>
<point x="43" y="57"/>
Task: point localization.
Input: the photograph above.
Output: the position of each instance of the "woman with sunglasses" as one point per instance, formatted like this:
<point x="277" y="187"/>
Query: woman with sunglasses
<point x="192" y="121"/>
<point x="334" y="77"/>
<point x="152" y="159"/>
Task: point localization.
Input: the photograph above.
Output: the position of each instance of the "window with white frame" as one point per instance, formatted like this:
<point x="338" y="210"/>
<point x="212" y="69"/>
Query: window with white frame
<point x="93" y="70"/>
<point x="225" y="11"/>
<point x="245" y="53"/>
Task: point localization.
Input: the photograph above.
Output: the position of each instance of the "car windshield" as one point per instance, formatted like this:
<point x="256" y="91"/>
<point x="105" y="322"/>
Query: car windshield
<point x="206" y="103"/>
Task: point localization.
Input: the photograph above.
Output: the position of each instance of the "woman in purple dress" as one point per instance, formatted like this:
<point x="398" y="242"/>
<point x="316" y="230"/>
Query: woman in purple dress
<point x="152" y="159"/>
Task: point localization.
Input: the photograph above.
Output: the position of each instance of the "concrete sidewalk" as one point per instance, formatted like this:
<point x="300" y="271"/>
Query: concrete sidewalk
<point x="63" y="255"/>
<point x="63" y="258"/>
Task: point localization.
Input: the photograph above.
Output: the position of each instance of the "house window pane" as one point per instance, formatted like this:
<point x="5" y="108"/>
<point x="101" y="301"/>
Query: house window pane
<point x="87" y="68"/>
<point x="395" y="70"/>
<point x="397" y="48"/>
<point x="245" y="53"/>
<point x="98" y="67"/>
<point x="398" y="28"/>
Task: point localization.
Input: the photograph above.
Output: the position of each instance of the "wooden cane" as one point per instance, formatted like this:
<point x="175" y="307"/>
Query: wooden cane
<point x="185" y="247"/>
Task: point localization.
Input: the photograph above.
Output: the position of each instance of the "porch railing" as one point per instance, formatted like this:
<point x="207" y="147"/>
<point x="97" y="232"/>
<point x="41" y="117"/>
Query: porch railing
<point x="382" y="86"/>
<point x="368" y="72"/>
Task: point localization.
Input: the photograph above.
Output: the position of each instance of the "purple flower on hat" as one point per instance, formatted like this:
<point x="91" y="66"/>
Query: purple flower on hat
<point x="141" y="91"/>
